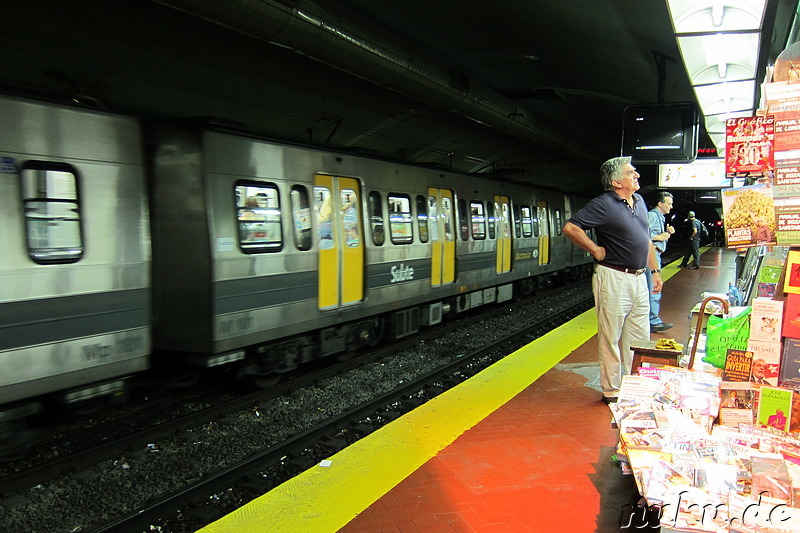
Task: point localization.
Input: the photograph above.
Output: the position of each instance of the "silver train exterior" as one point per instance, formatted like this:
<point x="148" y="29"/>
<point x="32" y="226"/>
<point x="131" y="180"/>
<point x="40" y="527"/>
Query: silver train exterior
<point x="264" y="255"/>
<point x="75" y="269"/>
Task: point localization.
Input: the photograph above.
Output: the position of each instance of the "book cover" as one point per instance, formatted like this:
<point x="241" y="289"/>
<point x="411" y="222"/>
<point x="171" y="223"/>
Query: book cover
<point x="766" y="355"/>
<point x="765" y="320"/>
<point x="737" y="365"/>
<point x="790" y="364"/>
<point x="791" y="316"/>
<point x="791" y="283"/>
<point x="737" y="403"/>
<point x="774" y="408"/>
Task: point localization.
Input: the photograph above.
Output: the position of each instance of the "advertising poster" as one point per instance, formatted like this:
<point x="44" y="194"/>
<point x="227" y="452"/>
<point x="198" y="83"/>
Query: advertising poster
<point x="749" y="214"/>
<point x="749" y="145"/>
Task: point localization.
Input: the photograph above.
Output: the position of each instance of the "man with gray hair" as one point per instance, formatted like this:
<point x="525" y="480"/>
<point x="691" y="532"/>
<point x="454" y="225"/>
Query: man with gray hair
<point x="623" y="252"/>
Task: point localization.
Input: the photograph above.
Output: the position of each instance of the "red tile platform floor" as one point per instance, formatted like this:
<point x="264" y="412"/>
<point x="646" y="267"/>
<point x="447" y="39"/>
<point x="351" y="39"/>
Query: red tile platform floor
<point x="542" y="462"/>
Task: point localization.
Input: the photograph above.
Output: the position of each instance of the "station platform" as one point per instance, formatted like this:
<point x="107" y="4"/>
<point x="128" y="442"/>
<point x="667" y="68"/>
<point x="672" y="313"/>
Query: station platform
<point x="527" y="445"/>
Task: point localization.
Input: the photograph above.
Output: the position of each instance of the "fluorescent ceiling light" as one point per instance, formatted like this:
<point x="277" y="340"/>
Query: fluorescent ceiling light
<point x="720" y="57"/>
<point x="716" y="123"/>
<point x="721" y="98"/>
<point x="706" y="16"/>
<point x="719" y="41"/>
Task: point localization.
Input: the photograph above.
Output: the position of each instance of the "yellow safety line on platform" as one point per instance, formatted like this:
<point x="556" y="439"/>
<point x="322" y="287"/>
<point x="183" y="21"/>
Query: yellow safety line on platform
<point x="324" y="499"/>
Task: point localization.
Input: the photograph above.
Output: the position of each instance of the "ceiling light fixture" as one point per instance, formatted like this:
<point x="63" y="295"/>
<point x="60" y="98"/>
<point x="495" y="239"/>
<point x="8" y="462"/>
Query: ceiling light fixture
<point x="719" y="43"/>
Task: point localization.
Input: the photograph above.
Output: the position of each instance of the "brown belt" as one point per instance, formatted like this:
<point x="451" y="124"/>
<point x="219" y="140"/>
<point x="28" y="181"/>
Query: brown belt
<point x="635" y="271"/>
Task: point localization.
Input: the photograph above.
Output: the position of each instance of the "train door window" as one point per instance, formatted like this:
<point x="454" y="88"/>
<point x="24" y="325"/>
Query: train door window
<point x="517" y="221"/>
<point x="463" y="222"/>
<point x="323" y="211"/>
<point x="433" y="214"/>
<point x="52" y="212"/>
<point x="478" y="216"/>
<point x="259" y="218"/>
<point x="400" y="219"/>
<point x="558" y="222"/>
<point x="537" y="230"/>
<point x="527" y="221"/>
<point x="447" y="218"/>
<point x="491" y="210"/>
<point x="301" y="215"/>
<point x="350" y="218"/>
<point x="422" y="218"/>
<point x="504" y="217"/>
<point x="376" y="218"/>
<point x="543" y="219"/>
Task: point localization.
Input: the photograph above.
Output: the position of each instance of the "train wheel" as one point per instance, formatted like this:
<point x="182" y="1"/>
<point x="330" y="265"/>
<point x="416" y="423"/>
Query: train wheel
<point x="14" y="436"/>
<point x="267" y="380"/>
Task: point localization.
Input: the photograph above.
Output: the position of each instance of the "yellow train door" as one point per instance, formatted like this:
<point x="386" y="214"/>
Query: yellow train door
<point x="340" y="243"/>
<point x="441" y="226"/>
<point x="503" y="223"/>
<point x="543" y="214"/>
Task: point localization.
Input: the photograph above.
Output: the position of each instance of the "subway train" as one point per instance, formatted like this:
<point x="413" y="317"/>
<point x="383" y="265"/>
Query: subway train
<point x="130" y="244"/>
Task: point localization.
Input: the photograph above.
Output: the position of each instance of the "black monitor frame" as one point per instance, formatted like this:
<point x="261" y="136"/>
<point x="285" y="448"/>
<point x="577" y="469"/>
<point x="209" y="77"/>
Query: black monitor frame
<point x="661" y="133"/>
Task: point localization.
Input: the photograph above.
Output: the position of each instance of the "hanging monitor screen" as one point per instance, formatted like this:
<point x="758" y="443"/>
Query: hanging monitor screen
<point x="661" y="133"/>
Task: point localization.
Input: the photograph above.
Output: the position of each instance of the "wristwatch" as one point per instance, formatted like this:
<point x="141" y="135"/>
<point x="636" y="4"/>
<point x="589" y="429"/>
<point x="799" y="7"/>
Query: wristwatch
<point x="656" y="270"/>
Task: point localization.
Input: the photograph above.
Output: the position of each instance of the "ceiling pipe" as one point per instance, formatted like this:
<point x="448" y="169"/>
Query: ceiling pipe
<point x="362" y="49"/>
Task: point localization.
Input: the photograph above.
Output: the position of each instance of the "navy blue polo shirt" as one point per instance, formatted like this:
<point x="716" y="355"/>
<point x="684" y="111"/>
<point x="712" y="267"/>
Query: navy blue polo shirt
<point x="624" y="233"/>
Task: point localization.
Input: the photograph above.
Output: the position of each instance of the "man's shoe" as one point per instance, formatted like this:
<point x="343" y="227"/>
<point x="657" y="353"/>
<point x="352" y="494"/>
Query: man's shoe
<point x="682" y="266"/>
<point x="660" y="327"/>
<point x="694" y="267"/>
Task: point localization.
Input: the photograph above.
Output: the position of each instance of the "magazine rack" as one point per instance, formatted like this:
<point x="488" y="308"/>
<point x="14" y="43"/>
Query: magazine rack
<point x="699" y="327"/>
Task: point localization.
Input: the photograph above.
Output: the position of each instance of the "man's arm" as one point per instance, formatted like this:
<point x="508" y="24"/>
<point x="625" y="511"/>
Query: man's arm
<point x="655" y="269"/>
<point x="579" y="237"/>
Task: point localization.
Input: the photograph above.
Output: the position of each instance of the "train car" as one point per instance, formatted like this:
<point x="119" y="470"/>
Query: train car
<point x="265" y="255"/>
<point x="75" y="291"/>
<point x="276" y="254"/>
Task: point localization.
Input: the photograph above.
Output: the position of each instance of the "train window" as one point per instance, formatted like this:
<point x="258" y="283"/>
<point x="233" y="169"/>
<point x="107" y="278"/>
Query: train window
<point x="323" y="210"/>
<point x="478" y="217"/>
<point x="350" y="218"/>
<point x="543" y="221"/>
<point x="447" y="218"/>
<point x="517" y="221"/>
<point x="559" y="224"/>
<point x="376" y="218"/>
<point x="301" y="215"/>
<point x="422" y="218"/>
<point x="490" y="207"/>
<point x="433" y="213"/>
<point x="259" y="217"/>
<point x="527" y="221"/>
<point x="462" y="219"/>
<point x="400" y="219"/>
<point x="52" y="212"/>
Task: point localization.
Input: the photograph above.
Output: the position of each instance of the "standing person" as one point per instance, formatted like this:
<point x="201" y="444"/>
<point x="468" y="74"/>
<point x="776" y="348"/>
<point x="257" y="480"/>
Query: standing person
<point x="623" y="251"/>
<point x="694" y="242"/>
<point x="659" y="234"/>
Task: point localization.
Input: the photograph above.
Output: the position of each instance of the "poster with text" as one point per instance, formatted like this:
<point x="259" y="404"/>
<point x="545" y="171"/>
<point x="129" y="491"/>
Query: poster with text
<point x="749" y="145"/>
<point x="749" y="215"/>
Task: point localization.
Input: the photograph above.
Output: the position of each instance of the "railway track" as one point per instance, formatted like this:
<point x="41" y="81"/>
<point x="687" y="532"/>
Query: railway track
<point x="287" y="451"/>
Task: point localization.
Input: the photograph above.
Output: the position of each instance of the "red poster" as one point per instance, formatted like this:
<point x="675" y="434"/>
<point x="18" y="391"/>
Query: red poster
<point x="749" y="145"/>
